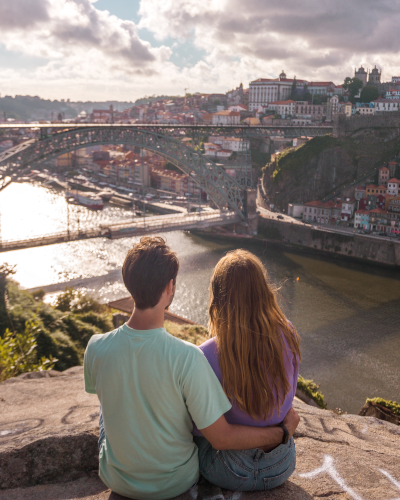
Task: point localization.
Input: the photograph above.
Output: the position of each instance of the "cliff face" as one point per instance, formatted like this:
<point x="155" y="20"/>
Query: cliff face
<point x="325" y="165"/>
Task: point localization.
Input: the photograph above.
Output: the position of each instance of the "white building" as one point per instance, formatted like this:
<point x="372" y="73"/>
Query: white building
<point x="393" y="186"/>
<point x="393" y="94"/>
<point x="266" y="90"/>
<point x="296" y="210"/>
<point x="387" y="105"/>
<point x="365" y="110"/>
<point x="235" y="144"/>
<point x="348" y="206"/>
<point x="226" y="118"/>
<point x="223" y="153"/>
<point x="321" y="88"/>
<point x="283" y="108"/>
<point x="238" y="107"/>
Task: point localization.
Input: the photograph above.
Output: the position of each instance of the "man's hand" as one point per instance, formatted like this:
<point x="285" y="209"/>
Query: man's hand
<point x="291" y="421"/>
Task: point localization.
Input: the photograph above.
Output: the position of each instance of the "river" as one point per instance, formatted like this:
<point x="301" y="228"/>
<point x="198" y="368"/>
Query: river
<point x="348" y="314"/>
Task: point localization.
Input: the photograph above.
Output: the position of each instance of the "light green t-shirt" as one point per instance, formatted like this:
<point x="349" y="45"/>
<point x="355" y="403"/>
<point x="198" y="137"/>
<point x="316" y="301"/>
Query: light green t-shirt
<point x="150" y="386"/>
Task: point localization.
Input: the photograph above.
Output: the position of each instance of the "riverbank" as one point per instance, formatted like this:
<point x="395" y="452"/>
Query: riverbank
<point x="312" y="240"/>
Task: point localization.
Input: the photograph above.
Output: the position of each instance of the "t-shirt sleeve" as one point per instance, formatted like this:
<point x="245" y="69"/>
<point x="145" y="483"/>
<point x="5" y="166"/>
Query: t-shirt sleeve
<point x="203" y="393"/>
<point x="89" y="383"/>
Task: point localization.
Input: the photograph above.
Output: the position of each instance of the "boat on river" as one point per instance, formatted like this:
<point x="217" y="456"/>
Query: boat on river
<point x="86" y="198"/>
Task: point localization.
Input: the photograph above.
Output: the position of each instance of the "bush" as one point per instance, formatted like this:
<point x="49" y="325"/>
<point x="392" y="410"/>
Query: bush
<point x="18" y="352"/>
<point x="60" y="345"/>
<point x="390" y="405"/>
<point x="77" y="302"/>
<point x="310" y="388"/>
<point x="195" y="334"/>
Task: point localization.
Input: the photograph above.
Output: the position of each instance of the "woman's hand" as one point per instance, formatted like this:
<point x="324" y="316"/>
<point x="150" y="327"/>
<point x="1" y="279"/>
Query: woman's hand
<point x="291" y="421"/>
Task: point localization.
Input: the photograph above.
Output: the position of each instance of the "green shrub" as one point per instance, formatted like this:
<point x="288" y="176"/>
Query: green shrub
<point x="60" y="345"/>
<point x="18" y="352"/>
<point x="390" y="405"/>
<point x="310" y="388"/>
<point x="101" y="321"/>
<point x="195" y="334"/>
<point x="78" y="330"/>
<point x="78" y="302"/>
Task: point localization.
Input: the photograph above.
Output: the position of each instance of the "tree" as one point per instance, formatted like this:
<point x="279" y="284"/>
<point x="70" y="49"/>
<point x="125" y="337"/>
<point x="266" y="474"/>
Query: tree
<point x="353" y="85"/>
<point x="369" y="93"/>
<point x="317" y="99"/>
<point x="294" y="90"/>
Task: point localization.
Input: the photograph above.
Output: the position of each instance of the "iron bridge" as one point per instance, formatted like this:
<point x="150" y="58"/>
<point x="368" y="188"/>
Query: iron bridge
<point x="166" y="140"/>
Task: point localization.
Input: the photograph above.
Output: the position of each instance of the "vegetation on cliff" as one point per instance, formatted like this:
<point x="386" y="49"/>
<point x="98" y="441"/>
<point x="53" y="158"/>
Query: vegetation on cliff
<point x="390" y="405"/>
<point x="294" y="160"/>
<point x="310" y="388"/>
<point x="37" y="335"/>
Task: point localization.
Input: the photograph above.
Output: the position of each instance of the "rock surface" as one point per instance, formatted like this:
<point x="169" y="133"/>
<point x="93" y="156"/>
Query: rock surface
<point x="48" y="449"/>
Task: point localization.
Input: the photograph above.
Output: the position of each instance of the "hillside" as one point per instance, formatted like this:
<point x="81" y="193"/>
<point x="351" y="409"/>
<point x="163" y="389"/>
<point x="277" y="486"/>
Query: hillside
<point x="326" y="164"/>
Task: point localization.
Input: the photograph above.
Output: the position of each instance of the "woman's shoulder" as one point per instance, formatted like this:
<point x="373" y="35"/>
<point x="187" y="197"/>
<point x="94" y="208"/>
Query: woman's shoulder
<point x="209" y="346"/>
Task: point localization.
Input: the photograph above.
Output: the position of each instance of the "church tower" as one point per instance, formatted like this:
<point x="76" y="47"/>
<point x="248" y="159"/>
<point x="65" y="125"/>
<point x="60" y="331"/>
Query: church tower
<point x="375" y="77"/>
<point x="361" y="74"/>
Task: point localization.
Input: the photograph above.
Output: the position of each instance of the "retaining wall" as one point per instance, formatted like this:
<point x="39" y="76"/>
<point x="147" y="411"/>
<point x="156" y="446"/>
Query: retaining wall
<point x="351" y="246"/>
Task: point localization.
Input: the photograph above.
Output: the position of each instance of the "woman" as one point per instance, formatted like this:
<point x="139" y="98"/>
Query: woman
<point x="254" y="351"/>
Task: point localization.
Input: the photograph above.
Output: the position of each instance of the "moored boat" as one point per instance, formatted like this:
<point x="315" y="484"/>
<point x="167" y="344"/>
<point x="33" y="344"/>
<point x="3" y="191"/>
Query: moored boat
<point x="87" y="199"/>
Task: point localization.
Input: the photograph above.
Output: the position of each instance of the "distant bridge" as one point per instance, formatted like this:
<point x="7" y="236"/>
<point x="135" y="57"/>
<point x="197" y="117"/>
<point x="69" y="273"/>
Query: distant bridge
<point x="228" y="194"/>
<point x="138" y="227"/>
<point x="248" y="131"/>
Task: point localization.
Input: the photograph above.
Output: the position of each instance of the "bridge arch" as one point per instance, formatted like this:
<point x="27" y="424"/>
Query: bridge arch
<point x="213" y="179"/>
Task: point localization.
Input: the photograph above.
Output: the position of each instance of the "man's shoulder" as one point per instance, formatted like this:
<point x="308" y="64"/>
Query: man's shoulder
<point x="182" y="346"/>
<point x="99" y="339"/>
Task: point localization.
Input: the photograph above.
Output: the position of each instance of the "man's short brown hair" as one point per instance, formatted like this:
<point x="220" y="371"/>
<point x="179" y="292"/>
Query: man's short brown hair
<point x="148" y="268"/>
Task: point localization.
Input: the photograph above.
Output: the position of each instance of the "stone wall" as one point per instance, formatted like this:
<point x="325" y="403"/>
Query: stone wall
<point x="352" y="246"/>
<point x="343" y="126"/>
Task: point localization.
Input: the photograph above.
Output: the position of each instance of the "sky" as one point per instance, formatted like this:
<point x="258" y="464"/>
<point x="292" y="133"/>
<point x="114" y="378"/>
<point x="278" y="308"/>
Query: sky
<point x="127" y="49"/>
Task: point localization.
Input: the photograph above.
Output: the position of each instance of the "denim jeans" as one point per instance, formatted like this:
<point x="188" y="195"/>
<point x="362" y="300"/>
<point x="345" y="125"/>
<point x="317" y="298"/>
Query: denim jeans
<point x="246" y="470"/>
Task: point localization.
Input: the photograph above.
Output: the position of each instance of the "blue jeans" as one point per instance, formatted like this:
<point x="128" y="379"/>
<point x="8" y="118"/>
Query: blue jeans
<point x="246" y="470"/>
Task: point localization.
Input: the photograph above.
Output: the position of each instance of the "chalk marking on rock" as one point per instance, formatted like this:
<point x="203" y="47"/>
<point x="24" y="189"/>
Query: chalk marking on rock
<point x="391" y="478"/>
<point x="194" y="492"/>
<point x="328" y="467"/>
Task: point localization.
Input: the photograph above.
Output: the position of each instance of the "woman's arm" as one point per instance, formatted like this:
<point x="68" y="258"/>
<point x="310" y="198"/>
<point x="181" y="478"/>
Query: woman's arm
<point x="224" y="436"/>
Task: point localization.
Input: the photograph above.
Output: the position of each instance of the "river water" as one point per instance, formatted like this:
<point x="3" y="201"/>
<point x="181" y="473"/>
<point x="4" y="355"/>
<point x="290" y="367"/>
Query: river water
<point x="348" y="314"/>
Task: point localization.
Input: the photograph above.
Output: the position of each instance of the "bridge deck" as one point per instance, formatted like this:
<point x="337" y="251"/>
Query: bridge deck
<point x="138" y="227"/>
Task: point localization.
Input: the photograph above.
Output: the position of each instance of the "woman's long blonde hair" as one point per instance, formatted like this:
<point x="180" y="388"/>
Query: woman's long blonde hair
<point x="249" y="327"/>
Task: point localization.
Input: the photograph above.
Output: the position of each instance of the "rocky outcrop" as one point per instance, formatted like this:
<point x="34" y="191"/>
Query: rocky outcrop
<point x="371" y="409"/>
<point x="48" y="449"/>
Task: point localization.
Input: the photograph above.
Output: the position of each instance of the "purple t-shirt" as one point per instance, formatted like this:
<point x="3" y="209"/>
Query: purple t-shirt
<point x="238" y="416"/>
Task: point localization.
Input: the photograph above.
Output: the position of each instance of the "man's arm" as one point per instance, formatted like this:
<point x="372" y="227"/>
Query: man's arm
<point x="224" y="436"/>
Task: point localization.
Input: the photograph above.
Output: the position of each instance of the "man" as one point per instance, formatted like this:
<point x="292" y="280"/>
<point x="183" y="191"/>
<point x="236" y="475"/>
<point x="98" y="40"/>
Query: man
<point x="152" y="387"/>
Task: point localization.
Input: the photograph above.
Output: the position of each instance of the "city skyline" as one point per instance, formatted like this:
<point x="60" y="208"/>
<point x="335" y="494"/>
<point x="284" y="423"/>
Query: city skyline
<point x="101" y="50"/>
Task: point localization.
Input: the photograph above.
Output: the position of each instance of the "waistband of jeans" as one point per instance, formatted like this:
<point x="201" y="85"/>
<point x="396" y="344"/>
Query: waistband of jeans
<point x="279" y="449"/>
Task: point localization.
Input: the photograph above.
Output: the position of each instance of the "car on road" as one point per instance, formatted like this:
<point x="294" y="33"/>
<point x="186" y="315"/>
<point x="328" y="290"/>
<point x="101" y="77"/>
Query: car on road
<point x="279" y="217"/>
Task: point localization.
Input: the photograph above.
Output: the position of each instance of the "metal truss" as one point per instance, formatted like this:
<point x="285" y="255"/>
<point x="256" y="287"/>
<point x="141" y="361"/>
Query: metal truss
<point x="222" y="188"/>
<point x="260" y="131"/>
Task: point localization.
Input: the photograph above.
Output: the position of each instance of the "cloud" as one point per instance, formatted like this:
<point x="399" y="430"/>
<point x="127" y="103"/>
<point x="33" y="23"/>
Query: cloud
<point x="59" y="28"/>
<point x="92" y="54"/>
<point x="314" y="38"/>
<point x="22" y="13"/>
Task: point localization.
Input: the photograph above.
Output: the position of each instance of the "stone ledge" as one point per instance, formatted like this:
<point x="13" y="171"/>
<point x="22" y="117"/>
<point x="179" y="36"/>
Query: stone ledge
<point x="48" y="445"/>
